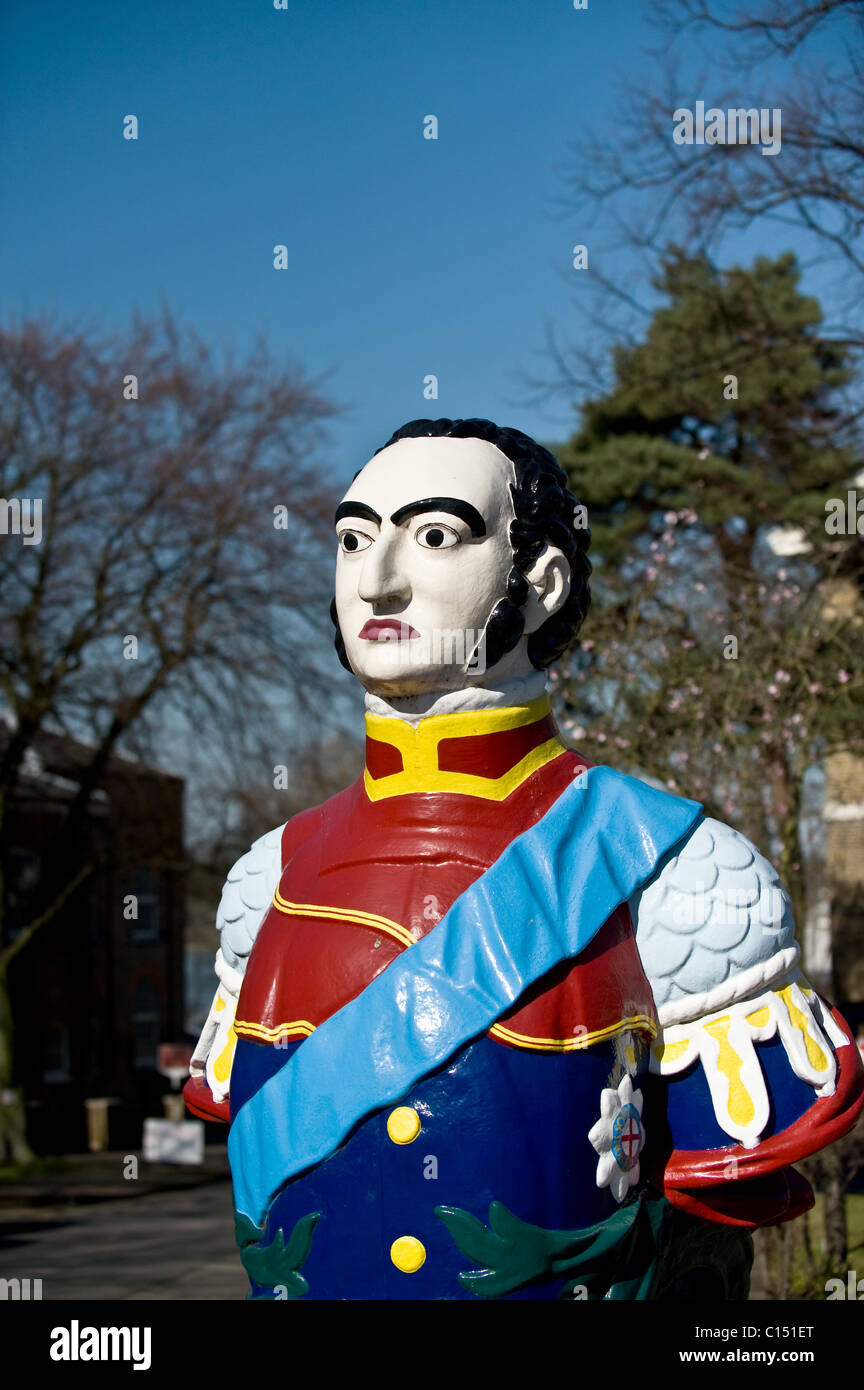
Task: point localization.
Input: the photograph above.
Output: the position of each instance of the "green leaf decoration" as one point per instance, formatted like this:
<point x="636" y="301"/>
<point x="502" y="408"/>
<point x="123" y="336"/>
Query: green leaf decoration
<point x="245" y="1230"/>
<point x="277" y="1265"/>
<point x="511" y="1253"/>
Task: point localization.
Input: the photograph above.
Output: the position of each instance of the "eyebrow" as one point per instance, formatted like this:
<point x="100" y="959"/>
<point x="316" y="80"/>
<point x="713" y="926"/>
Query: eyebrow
<point x="356" y="509"/>
<point x="454" y="505"/>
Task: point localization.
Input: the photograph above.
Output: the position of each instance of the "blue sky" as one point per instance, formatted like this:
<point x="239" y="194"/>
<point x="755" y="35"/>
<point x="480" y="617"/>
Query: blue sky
<point x="304" y="126"/>
<point x="258" y="126"/>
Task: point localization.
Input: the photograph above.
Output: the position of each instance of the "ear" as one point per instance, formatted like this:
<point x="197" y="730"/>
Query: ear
<point x="549" y="578"/>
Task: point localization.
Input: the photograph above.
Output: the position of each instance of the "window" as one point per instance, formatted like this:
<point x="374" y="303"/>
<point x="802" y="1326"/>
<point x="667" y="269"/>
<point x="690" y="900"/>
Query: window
<point x="93" y="907"/>
<point x="146" y="1024"/>
<point x="145" y="927"/>
<point x="56" y="1065"/>
<point x="23" y="874"/>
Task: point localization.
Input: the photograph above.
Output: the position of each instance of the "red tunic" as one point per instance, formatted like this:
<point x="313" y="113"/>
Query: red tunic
<point x="374" y="868"/>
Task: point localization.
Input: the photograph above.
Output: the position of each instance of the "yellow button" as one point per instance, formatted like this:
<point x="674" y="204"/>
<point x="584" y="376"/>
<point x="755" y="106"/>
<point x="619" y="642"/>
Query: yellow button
<point x="408" y="1254"/>
<point x="403" y="1126"/>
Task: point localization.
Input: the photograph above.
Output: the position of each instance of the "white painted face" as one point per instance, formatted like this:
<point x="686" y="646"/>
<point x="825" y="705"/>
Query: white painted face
<point x="424" y="554"/>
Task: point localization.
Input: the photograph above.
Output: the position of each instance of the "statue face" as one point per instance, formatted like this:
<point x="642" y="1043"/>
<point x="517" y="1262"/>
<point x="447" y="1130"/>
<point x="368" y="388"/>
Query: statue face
<point x="424" y="554"/>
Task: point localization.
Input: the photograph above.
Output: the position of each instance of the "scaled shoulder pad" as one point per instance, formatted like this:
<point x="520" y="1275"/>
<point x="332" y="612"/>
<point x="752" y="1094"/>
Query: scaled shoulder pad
<point x="247" y="894"/>
<point x="713" y="925"/>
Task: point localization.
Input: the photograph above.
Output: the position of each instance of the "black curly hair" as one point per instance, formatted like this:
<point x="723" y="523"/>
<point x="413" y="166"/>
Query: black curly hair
<point x="545" y="512"/>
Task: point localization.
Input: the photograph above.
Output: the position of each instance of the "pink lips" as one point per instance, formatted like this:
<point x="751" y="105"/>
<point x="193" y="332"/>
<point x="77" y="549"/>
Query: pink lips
<point x="387" y="630"/>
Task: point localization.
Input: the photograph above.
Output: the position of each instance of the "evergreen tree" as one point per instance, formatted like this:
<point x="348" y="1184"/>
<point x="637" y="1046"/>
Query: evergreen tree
<point x="722" y="656"/>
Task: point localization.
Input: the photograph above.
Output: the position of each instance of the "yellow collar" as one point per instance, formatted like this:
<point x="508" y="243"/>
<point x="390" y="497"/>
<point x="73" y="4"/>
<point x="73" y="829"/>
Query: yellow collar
<point x="485" y="753"/>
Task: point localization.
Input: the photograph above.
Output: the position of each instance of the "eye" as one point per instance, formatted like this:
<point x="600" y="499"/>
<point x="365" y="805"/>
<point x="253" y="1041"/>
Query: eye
<point x="434" y="535"/>
<point x="352" y="541"/>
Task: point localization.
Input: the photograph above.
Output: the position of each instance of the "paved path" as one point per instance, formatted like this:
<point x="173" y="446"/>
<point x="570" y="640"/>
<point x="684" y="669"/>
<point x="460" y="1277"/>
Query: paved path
<point x="166" y="1245"/>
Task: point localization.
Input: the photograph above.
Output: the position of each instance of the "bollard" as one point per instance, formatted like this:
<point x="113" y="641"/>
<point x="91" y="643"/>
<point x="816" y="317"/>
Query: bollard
<point x="174" y="1106"/>
<point x="97" y="1124"/>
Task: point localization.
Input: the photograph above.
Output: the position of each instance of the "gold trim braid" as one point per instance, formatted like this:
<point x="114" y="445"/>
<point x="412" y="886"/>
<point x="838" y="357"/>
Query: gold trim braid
<point x="300" y="1028"/>
<point x="419" y="750"/>
<point x="579" y="1041"/>
<point x="344" y="914"/>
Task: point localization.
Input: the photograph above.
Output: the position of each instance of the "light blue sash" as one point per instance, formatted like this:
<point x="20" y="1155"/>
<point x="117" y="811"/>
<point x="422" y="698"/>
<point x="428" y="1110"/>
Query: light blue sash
<point x="541" y="902"/>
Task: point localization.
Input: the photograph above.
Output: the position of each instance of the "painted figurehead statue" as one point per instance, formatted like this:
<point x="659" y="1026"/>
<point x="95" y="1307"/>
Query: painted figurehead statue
<point x="496" y="1021"/>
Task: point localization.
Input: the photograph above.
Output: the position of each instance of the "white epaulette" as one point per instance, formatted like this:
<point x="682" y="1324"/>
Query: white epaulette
<point x="716" y="937"/>
<point x="246" y="896"/>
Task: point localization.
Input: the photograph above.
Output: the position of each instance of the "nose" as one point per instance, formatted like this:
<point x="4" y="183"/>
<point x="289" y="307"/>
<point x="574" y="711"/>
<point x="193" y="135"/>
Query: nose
<point x="383" y="578"/>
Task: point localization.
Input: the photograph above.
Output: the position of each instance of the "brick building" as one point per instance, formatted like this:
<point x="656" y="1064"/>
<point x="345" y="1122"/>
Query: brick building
<point x="100" y="985"/>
